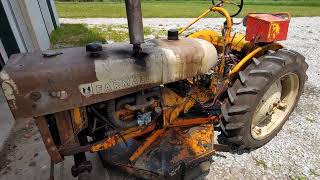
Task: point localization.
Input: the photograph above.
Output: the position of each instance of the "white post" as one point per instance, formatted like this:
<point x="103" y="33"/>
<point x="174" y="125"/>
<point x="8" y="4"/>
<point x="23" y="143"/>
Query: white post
<point x="15" y="29"/>
<point x="3" y="53"/>
<point x="46" y="15"/>
<point x="37" y="24"/>
<point x="54" y="9"/>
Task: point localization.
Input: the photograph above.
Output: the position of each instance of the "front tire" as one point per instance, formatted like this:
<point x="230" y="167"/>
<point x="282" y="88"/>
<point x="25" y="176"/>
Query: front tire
<point x="261" y="100"/>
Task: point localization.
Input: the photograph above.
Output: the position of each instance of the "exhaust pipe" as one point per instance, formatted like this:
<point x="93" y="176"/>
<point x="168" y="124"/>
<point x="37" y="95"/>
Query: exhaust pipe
<point x="134" y="16"/>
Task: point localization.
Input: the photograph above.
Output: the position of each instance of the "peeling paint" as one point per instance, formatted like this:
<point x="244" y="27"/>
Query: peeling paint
<point x="9" y="88"/>
<point x="8" y="91"/>
<point x="4" y="76"/>
<point x="77" y="79"/>
<point x="163" y="65"/>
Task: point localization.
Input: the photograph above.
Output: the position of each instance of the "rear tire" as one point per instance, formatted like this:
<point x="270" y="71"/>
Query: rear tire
<point x="244" y="123"/>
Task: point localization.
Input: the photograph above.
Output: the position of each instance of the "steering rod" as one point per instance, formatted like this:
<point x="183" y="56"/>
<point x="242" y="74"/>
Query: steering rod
<point x="222" y="11"/>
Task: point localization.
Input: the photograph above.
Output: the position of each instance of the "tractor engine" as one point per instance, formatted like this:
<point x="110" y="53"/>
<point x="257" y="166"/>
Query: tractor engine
<point x="90" y="99"/>
<point x="148" y="107"/>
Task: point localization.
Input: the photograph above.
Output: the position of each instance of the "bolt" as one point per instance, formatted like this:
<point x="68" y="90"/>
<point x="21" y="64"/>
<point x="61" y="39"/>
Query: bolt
<point x="60" y="94"/>
<point x="53" y="94"/>
<point x="282" y="106"/>
<point x="35" y="96"/>
<point x="63" y="95"/>
<point x="257" y="130"/>
<point x="158" y="110"/>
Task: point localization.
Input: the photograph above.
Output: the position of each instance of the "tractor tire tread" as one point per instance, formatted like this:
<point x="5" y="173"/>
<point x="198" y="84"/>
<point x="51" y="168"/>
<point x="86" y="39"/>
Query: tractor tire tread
<point x="233" y="126"/>
<point x="242" y="77"/>
<point x="224" y="112"/>
<point x="235" y="110"/>
<point x="231" y="96"/>
<point x="256" y="61"/>
<point x="278" y="60"/>
<point x="262" y="72"/>
<point x="247" y="90"/>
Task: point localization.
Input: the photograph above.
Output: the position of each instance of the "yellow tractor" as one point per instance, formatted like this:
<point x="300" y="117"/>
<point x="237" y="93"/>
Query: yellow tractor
<point x="152" y="107"/>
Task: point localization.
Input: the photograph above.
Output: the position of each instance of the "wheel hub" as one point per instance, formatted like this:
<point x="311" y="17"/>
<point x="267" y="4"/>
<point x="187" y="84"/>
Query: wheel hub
<point x="274" y="106"/>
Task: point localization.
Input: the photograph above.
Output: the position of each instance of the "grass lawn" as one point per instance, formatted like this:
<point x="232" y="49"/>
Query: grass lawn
<point x="69" y="35"/>
<point x="179" y="9"/>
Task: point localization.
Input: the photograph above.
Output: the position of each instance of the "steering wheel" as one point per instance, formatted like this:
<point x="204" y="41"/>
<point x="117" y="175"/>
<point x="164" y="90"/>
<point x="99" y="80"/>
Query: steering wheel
<point x="221" y="2"/>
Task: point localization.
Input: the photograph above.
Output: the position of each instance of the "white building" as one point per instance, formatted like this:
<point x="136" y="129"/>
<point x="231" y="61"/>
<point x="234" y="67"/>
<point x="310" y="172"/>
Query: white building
<point x="25" y="26"/>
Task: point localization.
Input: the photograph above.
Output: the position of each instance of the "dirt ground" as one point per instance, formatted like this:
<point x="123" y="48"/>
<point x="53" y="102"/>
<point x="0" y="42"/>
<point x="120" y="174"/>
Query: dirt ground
<point x="25" y="158"/>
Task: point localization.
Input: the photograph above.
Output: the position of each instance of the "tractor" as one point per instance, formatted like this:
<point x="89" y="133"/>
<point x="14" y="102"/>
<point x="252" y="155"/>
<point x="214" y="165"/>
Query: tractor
<point x="152" y="107"/>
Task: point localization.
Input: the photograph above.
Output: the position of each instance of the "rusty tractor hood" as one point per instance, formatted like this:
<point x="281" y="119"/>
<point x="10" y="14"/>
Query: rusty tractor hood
<point x="35" y="85"/>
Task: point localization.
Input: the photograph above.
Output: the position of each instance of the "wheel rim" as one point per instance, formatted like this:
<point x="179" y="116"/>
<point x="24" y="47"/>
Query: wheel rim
<point x="275" y="106"/>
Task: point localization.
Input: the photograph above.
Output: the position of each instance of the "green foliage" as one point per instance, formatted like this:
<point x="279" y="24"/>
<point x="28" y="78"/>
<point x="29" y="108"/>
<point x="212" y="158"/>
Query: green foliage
<point x="310" y="119"/>
<point x="74" y="35"/>
<point x="260" y="162"/>
<point x="247" y="2"/>
<point x="80" y="0"/>
<point x="69" y="35"/>
<point x="314" y="173"/>
<point x="298" y="178"/>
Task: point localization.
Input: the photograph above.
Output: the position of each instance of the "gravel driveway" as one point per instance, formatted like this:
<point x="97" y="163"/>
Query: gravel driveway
<point x="295" y="152"/>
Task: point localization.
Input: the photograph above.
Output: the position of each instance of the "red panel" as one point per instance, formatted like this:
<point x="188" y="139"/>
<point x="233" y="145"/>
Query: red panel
<point x="266" y="28"/>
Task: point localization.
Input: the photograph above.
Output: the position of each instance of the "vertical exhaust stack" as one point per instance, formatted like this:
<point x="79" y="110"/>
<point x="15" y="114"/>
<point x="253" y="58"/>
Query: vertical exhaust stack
<point x="134" y="16"/>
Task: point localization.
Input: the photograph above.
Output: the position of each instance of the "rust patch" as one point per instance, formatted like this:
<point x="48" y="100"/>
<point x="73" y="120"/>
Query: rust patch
<point x="176" y="146"/>
<point x="182" y="155"/>
<point x="199" y="138"/>
<point x="47" y="139"/>
<point x="112" y="141"/>
<point x="75" y="79"/>
<point x="146" y="144"/>
<point x="175" y="105"/>
<point x="64" y="126"/>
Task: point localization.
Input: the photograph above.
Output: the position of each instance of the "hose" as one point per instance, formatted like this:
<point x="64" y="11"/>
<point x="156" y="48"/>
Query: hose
<point x="124" y="101"/>
<point x="111" y="115"/>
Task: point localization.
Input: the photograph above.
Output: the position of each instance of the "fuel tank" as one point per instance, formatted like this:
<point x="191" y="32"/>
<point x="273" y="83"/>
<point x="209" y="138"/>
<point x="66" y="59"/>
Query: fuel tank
<point x="35" y="85"/>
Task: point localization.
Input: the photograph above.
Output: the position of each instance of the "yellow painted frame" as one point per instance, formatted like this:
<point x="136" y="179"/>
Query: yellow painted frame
<point x="220" y="41"/>
<point x="222" y="11"/>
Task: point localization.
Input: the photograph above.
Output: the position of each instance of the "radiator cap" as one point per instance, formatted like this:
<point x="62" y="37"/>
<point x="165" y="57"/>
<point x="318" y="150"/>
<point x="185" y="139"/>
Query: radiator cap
<point x="173" y="34"/>
<point x="94" y="48"/>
